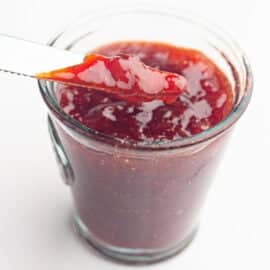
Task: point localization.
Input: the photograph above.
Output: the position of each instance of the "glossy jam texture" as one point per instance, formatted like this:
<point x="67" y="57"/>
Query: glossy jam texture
<point x="124" y="76"/>
<point x="208" y="99"/>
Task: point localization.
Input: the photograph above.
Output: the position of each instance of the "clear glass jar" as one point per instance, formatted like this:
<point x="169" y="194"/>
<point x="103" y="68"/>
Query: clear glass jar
<point x="141" y="204"/>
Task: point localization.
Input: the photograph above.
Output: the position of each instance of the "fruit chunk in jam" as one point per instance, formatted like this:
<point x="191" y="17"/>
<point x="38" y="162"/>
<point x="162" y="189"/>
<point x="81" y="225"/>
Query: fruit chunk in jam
<point x="208" y="99"/>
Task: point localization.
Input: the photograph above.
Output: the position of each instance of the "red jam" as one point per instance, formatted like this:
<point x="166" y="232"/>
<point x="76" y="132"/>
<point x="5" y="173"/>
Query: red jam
<point x="146" y="201"/>
<point x="206" y="102"/>
<point x="124" y="76"/>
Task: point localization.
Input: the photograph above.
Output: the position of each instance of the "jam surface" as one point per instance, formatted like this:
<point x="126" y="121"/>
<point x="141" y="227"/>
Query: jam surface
<point x="207" y="100"/>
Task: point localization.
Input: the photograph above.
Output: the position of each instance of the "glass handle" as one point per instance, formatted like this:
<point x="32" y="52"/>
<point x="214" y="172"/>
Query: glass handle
<point x="61" y="156"/>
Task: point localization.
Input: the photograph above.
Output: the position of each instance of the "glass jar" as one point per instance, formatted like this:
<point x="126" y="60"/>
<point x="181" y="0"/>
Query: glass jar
<point x="141" y="204"/>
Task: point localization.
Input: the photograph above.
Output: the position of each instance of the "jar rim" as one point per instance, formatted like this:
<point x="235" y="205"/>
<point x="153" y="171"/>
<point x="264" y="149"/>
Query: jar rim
<point x="201" y="137"/>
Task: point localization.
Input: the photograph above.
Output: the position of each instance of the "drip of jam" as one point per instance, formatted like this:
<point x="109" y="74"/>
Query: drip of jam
<point x="207" y="101"/>
<point x="125" y="76"/>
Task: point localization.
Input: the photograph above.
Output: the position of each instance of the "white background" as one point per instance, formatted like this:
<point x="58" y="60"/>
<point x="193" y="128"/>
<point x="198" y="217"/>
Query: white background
<point x="35" y="207"/>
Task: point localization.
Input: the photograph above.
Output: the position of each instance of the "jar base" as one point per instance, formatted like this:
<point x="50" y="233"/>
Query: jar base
<point x="130" y="255"/>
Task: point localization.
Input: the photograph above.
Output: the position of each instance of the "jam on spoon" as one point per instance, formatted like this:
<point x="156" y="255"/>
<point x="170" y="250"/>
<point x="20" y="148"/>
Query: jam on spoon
<point x="125" y="76"/>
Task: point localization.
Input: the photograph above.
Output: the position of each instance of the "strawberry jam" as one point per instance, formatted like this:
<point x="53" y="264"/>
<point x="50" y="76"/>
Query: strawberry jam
<point x="124" y="76"/>
<point x="151" y="200"/>
<point x="206" y="102"/>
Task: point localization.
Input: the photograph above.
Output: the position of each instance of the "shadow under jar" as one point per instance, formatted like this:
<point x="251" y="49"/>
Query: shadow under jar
<point x="140" y="203"/>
